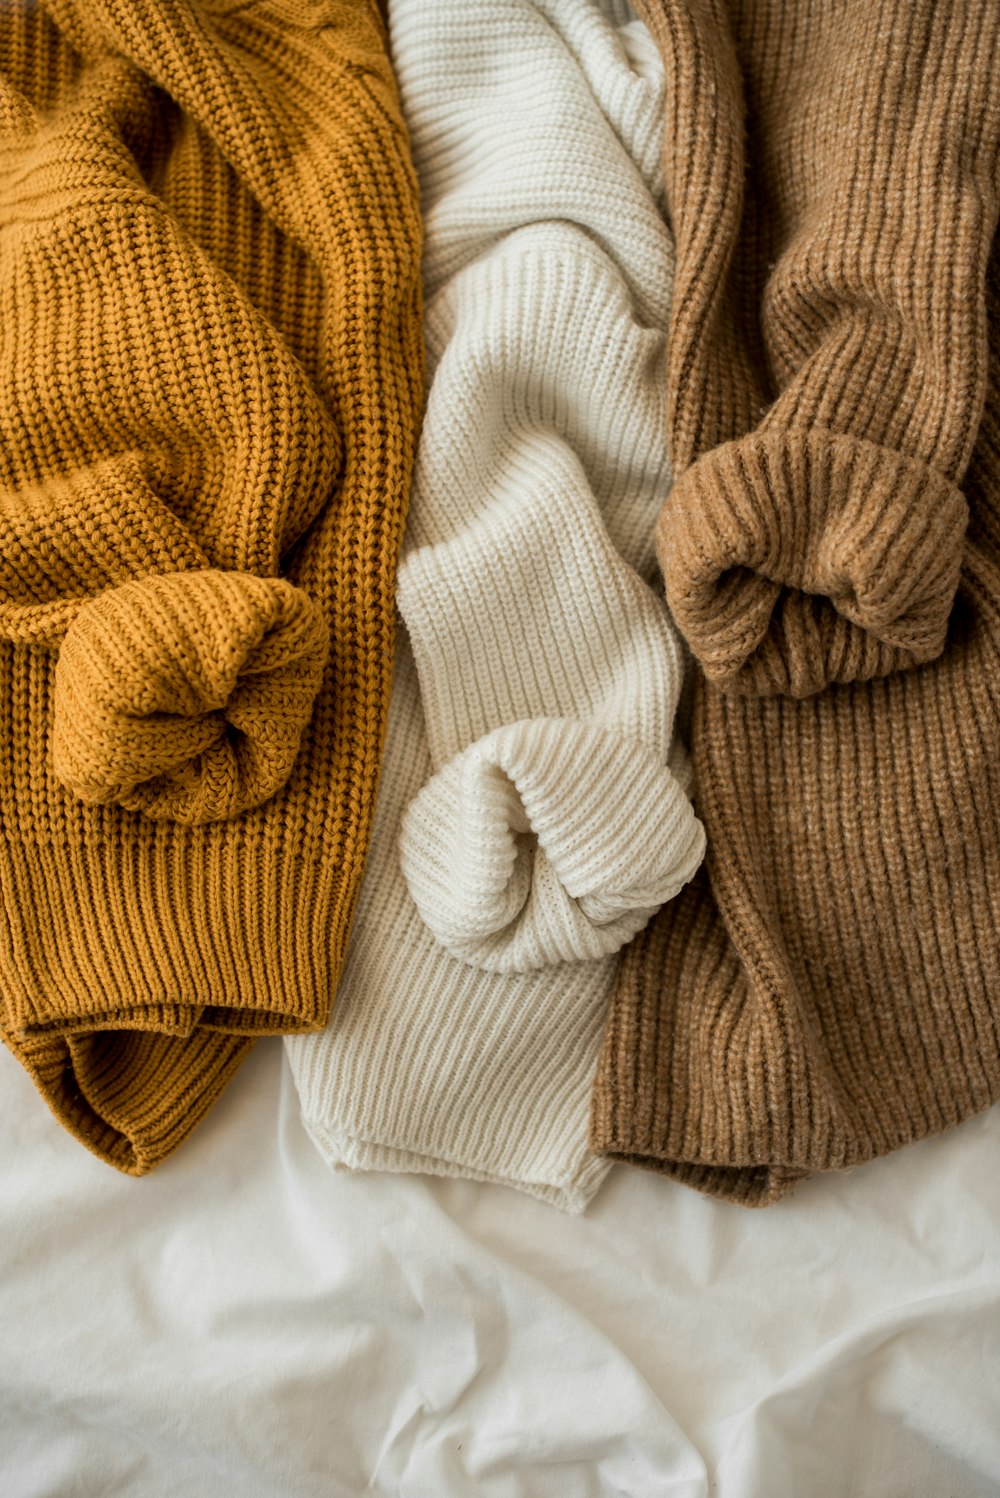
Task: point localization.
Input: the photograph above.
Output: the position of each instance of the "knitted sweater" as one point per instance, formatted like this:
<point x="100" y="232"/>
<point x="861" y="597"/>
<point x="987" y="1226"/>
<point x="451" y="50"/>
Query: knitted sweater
<point x="210" y="369"/>
<point x="529" y="799"/>
<point x="830" y="988"/>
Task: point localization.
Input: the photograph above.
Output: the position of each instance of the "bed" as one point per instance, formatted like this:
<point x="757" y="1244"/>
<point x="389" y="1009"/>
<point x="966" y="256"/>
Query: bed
<point x="246" y="1323"/>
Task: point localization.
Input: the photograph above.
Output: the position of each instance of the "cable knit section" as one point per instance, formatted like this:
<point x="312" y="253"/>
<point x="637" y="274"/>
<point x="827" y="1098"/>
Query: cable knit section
<point x="184" y="696"/>
<point x="536" y="846"/>
<point x="797" y="559"/>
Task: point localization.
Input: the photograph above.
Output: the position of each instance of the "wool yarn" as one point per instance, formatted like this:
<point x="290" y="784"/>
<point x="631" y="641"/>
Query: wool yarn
<point x="533" y="810"/>
<point x="827" y="989"/>
<point x="210" y="377"/>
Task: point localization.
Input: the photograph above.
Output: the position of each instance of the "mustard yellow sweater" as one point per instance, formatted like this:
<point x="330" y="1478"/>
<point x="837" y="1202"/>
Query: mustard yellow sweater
<point x="210" y="376"/>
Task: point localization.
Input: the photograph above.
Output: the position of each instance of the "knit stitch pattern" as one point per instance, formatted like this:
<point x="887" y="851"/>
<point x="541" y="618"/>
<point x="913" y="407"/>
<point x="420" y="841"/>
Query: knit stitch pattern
<point x="827" y="989"/>
<point x="533" y="811"/>
<point x="521" y="582"/>
<point x="210" y="375"/>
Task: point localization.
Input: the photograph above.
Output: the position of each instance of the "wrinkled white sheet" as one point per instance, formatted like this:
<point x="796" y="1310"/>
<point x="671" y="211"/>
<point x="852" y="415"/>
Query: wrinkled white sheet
<point x="246" y="1324"/>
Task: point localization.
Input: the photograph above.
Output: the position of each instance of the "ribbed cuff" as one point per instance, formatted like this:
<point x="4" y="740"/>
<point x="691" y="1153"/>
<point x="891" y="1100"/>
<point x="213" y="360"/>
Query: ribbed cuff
<point x="131" y="1098"/>
<point x="798" y="559"/>
<point x="185" y="695"/>
<point x="547" y="841"/>
<point x="164" y="931"/>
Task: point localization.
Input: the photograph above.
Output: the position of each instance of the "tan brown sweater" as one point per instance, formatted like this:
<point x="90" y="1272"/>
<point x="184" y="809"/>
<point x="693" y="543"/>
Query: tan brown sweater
<point x="829" y="989"/>
<point x="210" y="373"/>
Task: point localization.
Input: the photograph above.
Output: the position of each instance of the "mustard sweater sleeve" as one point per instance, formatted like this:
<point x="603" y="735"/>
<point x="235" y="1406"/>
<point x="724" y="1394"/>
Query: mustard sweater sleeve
<point x="832" y="175"/>
<point x="160" y="452"/>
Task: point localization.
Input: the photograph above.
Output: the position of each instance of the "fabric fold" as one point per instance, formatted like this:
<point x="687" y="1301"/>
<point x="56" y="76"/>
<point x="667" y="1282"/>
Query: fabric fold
<point x="536" y="846"/>
<point x="186" y="695"/>
<point x="131" y="1098"/>
<point x="795" y="560"/>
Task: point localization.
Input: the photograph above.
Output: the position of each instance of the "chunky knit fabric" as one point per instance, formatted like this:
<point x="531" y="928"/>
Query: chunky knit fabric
<point x="830" y="990"/>
<point x="210" y="371"/>
<point x="530" y="797"/>
<point x="548" y="670"/>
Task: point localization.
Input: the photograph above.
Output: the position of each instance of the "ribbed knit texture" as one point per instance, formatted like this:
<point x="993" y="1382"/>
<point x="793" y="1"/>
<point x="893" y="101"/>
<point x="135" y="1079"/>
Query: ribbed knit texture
<point x="210" y="374"/>
<point x="535" y="691"/>
<point x="548" y="669"/>
<point x="829" y="988"/>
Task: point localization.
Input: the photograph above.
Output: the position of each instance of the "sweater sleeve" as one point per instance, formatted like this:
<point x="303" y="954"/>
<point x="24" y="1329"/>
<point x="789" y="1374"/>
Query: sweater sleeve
<point x="815" y="533"/>
<point x="557" y="821"/>
<point x="160" y="450"/>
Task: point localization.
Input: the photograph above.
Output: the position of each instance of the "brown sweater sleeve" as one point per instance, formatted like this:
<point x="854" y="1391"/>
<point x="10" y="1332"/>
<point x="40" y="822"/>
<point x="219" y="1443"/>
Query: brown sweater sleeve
<point x="832" y="173"/>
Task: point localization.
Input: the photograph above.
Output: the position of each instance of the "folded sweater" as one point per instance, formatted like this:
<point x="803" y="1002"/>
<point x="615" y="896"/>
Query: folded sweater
<point x="532" y="813"/>
<point x="829" y="988"/>
<point x="210" y="373"/>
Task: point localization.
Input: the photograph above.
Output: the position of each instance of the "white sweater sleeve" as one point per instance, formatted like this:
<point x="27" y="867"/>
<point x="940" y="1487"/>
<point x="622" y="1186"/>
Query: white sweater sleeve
<point x="557" y="821"/>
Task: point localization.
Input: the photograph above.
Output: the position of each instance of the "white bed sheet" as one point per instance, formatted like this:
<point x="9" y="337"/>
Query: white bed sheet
<point x="246" y="1324"/>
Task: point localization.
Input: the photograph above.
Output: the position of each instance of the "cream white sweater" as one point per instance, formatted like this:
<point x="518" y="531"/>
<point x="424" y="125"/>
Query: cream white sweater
<point x="532" y="813"/>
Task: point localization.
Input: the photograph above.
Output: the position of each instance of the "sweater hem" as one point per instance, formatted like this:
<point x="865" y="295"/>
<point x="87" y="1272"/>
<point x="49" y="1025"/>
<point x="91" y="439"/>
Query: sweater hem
<point x="346" y="1151"/>
<point x="134" y="936"/>
<point x="130" y="1100"/>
